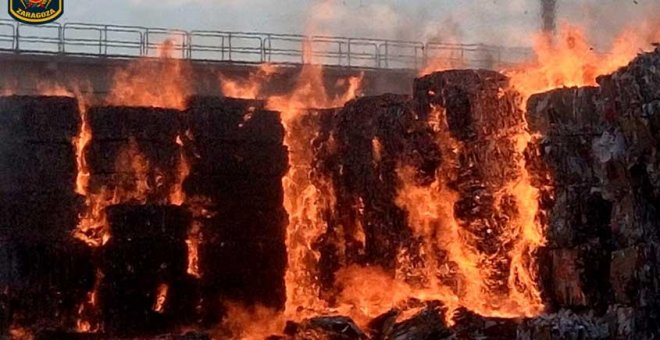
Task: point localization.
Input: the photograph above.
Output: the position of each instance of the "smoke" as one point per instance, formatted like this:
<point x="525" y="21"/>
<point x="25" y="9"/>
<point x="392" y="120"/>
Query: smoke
<point x="500" y="22"/>
<point x="548" y="15"/>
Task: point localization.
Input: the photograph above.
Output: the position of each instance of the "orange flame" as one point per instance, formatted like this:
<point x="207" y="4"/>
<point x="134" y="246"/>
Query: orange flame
<point x="161" y="298"/>
<point x="304" y="200"/>
<point x="247" y="88"/>
<point x="146" y="82"/>
<point x="570" y="60"/>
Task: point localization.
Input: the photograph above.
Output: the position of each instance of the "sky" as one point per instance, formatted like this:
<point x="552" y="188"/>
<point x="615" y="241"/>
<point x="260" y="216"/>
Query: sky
<point x="502" y="22"/>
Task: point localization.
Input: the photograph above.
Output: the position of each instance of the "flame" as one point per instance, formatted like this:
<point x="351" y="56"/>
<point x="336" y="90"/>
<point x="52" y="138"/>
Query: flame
<point x="249" y="88"/>
<point x="19" y="333"/>
<point x="177" y="195"/>
<point x="467" y="277"/>
<point x="131" y="184"/>
<point x="88" y="313"/>
<point x="146" y="82"/>
<point x="304" y="198"/>
<point x="571" y="60"/>
<point x="192" y="242"/>
<point x="161" y="298"/>
<point x="84" y="135"/>
<point x="247" y="323"/>
<point x="201" y="208"/>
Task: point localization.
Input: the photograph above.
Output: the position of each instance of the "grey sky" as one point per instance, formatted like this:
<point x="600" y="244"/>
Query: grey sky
<point x="507" y="22"/>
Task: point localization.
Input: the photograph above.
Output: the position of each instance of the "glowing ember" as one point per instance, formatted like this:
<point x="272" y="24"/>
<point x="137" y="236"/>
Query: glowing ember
<point x="161" y="298"/>
<point x="177" y="196"/>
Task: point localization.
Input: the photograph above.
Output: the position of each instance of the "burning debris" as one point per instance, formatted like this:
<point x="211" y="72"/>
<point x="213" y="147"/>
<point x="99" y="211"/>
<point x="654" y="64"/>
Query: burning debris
<point x="471" y="209"/>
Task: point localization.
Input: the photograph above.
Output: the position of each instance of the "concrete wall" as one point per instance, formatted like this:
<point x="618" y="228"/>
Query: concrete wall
<point x="22" y="74"/>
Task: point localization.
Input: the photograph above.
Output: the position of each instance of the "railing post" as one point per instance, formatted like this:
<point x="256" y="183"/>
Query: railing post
<point x="18" y="38"/>
<point x="349" y="52"/>
<point x="189" y="37"/>
<point x="229" y="43"/>
<point x="222" y="47"/>
<point x="145" y="48"/>
<point x="270" y="47"/>
<point x="262" y="53"/>
<point x="60" y="39"/>
<point x="387" y="54"/>
<point x="103" y="40"/>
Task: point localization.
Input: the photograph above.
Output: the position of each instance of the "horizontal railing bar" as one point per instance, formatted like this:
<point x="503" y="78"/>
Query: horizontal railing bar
<point x="241" y="46"/>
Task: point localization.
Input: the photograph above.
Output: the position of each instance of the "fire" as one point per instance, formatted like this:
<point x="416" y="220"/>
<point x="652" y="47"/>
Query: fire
<point x="161" y="298"/>
<point x="157" y="83"/>
<point x="247" y="88"/>
<point x="569" y="59"/>
<point x="305" y="199"/>
<point x="88" y="319"/>
<point x="201" y="208"/>
<point x="453" y="269"/>
<point x="246" y="323"/>
<point x="20" y="333"/>
<point x="85" y="133"/>
<point x="177" y="195"/>
<point x="131" y="184"/>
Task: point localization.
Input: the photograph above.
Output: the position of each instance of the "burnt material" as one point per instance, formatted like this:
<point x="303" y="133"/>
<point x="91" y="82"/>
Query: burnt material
<point x="39" y="119"/>
<point x="133" y="144"/>
<point x="359" y="150"/>
<point x="43" y="271"/>
<point x="481" y="114"/>
<point x="600" y="147"/>
<point x="237" y="164"/>
<point x="144" y="269"/>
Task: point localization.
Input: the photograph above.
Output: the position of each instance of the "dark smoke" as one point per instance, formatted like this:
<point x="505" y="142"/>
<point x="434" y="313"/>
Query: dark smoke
<point x="548" y="15"/>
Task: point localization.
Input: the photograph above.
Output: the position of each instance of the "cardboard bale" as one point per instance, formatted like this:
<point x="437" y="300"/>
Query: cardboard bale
<point x="45" y="119"/>
<point x="44" y="281"/>
<point x="141" y="123"/>
<point x="482" y="114"/>
<point x="565" y="111"/>
<point x="146" y="252"/>
<point x="242" y="158"/>
<point x="39" y="216"/>
<point x="250" y="271"/>
<point x="30" y="167"/>
<point x="634" y="276"/>
<point x="634" y="220"/>
<point x="359" y="150"/>
<point x="110" y="156"/>
<point x="565" y="324"/>
<point x="478" y="103"/>
<point x="579" y="277"/>
<point x="260" y="191"/>
<point x="577" y="216"/>
<point x="230" y="119"/>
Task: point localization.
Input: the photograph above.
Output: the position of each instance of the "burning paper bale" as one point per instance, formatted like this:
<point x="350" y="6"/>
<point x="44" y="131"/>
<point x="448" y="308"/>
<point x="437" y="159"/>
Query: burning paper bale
<point x="237" y="161"/>
<point x="43" y="272"/>
<point x="144" y="266"/>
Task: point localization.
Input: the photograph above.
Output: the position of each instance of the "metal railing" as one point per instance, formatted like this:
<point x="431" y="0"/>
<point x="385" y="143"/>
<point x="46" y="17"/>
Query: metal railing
<point x="137" y="41"/>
